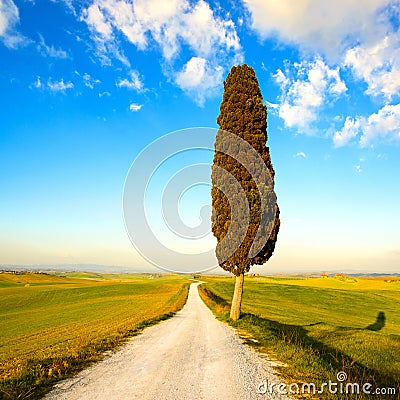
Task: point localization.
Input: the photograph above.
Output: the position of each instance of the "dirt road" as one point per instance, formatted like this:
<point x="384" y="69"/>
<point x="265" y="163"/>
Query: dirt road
<point x="190" y="356"/>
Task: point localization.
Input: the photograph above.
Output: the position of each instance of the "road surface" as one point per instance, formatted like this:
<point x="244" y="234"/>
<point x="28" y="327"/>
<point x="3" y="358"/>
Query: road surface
<point x="189" y="356"/>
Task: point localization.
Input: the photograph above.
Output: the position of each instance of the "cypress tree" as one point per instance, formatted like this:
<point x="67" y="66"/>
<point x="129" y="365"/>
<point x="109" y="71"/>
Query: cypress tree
<point x="245" y="218"/>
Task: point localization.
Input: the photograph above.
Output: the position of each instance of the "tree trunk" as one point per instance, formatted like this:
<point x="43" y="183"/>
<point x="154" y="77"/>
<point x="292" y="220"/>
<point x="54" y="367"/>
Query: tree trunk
<point x="237" y="297"/>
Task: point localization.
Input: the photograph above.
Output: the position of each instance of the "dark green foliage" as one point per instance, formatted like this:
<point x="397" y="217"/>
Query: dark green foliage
<point x="245" y="211"/>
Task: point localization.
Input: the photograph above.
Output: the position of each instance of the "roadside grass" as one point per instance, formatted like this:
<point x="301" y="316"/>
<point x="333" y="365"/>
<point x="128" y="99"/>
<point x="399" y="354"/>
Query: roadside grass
<point x="314" y="328"/>
<point x="51" y="327"/>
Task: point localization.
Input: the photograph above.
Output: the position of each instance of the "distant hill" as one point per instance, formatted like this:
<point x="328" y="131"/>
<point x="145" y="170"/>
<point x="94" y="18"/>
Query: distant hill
<point x="112" y="269"/>
<point x="72" y="268"/>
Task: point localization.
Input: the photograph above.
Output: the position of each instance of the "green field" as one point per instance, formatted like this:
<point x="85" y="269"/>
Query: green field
<point x="53" y="326"/>
<point x="317" y="327"/>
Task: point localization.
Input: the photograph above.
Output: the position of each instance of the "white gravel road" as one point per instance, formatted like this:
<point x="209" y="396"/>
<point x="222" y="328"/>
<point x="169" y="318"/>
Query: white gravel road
<point x="189" y="356"/>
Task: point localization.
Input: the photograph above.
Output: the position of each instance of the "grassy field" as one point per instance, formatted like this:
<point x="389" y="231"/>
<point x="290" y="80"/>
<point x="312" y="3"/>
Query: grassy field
<point x="317" y="327"/>
<point x="53" y="326"/>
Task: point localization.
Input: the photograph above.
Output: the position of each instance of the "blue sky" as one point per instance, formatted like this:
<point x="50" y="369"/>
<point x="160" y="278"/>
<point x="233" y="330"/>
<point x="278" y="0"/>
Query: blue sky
<point x="86" y="86"/>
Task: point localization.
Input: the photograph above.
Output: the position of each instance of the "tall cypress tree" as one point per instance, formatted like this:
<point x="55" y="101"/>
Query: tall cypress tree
<point x="245" y="213"/>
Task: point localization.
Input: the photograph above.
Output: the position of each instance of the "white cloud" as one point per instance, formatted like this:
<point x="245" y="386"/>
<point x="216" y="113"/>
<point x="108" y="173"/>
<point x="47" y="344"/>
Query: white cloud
<point x="106" y="50"/>
<point x="38" y="83"/>
<point x="204" y="32"/>
<point x="96" y="20"/>
<point x="167" y="23"/>
<point x="135" y="107"/>
<point x="305" y="88"/>
<point x="105" y="43"/>
<point x="107" y="94"/>
<point x="199" y="78"/>
<point x="50" y="51"/>
<point x="54" y="86"/>
<point x="281" y="79"/>
<point x="350" y="130"/>
<point x="361" y="36"/>
<point x="133" y="83"/>
<point x="358" y="168"/>
<point x="272" y="107"/>
<point x="378" y="65"/>
<point x="322" y="26"/>
<point x="89" y="81"/>
<point x="59" y="86"/>
<point x="301" y="154"/>
<point x="383" y="125"/>
<point x="167" y="26"/>
<point x="9" y="19"/>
